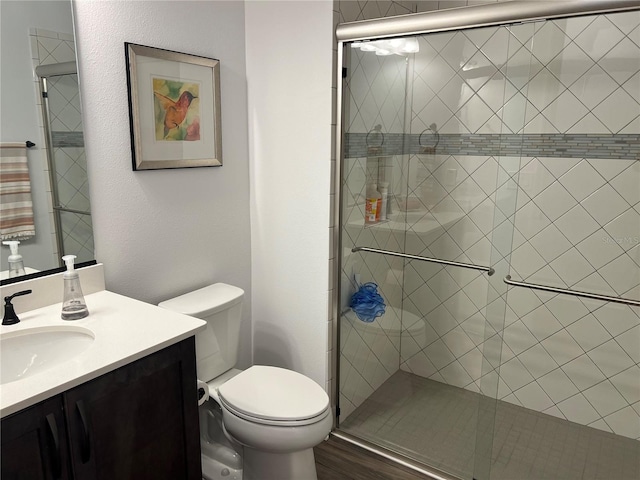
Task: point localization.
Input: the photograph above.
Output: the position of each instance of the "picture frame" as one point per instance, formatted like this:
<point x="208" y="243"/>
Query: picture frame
<point x="174" y="109"/>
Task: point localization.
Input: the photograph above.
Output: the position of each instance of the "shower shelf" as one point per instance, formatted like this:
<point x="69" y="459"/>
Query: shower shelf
<point x="575" y="293"/>
<point x="490" y="271"/>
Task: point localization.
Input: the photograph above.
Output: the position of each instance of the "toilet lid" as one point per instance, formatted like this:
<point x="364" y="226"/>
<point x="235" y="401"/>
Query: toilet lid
<point x="274" y="394"/>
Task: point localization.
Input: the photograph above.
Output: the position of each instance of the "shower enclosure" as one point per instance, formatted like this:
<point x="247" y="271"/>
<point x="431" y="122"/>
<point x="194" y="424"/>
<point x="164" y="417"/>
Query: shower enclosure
<point x="508" y="254"/>
<point x="66" y="160"/>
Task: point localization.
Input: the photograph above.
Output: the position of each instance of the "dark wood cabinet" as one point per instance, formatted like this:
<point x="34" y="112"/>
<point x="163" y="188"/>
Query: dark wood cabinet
<point x="34" y="443"/>
<point x="137" y="422"/>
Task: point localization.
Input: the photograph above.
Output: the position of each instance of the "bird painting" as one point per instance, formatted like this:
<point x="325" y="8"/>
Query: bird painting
<point x="176" y="119"/>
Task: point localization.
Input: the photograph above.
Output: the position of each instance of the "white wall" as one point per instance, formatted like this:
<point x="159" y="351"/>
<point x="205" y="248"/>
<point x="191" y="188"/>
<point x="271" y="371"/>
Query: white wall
<point x="289" y="65"/>
<point x="20" y="118"/>
<point x="165" y="232"/>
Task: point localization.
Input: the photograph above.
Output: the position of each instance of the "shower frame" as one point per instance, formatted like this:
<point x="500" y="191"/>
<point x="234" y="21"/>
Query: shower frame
<point x="44" y="72"/>
<point x="494" y="14"/>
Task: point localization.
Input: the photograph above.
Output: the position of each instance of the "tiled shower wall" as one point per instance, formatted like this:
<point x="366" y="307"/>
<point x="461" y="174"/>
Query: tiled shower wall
<point x="65" y="119"/>
<point x="557" y="216"/>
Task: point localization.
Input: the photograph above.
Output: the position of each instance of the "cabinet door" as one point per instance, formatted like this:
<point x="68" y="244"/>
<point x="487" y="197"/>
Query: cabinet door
<point x="34" y="443"/>
<point x="138" y="422"/>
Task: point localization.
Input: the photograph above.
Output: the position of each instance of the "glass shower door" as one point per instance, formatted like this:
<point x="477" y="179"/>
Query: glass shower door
<point x="68" y="167"/>
<point x="569" y="381"/>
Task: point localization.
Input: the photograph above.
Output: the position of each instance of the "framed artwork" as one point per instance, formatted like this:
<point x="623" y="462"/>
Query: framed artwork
<point x="174" y="109"/>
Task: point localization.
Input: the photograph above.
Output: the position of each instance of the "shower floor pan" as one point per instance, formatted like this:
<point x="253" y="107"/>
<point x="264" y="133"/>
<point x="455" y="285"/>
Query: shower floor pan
<point x="437" y="425"/>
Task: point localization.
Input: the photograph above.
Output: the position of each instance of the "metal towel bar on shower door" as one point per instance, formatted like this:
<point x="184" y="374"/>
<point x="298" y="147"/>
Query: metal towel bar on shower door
<point x="490" y="271"/>
<point x="575" y="293"/>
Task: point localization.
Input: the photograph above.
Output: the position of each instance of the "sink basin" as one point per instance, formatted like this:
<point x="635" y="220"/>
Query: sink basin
<point x="28" y="352"/>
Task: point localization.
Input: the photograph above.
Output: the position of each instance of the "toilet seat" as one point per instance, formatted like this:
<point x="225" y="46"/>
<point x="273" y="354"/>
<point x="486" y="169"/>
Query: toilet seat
<point x="274" y="396"/>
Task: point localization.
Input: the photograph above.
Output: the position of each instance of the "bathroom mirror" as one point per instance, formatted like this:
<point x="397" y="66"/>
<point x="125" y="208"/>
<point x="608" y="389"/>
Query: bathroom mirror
<point x="40" y="102"/>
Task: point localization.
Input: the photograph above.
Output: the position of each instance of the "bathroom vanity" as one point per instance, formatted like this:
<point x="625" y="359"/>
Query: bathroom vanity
<point x="120" y="403"/>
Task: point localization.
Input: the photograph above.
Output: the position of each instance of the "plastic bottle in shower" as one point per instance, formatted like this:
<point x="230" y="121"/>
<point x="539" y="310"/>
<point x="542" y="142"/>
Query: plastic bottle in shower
<point x="16" y="266"/>
<point x="372" y="206"/>
<point x="73" y="305"/>
<point x="384" y="193"/>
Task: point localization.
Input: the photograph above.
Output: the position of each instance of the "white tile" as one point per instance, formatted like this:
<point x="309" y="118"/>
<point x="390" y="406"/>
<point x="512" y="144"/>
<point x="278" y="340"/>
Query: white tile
<point x="562" y="347"/>
<point x="525" y="261"/>
<point x="533" y="178"/>
<point x="522" y="300"/>
<point x="609" y="168"/>
<point x="543" y="89"/>
<point x="578" y="409"/>
<point x="550" y="243"/>
<point x="421" y="365"/>
<point x="530" y="220"/>
<point x="588" y="332"/>
<point x="439" y="354"/>
<point x="541" y="323"/>
<point x="472" y="363"/>
<point x="581" y="180"/>
<point x="594" y="86"/>
<point x="598" y="38"/>
<point x="555" y="201"/>
<point x="625" y="21"/>
<point x="518" y="337"/>
<point x="610" y="358"/>
<point x="617" y="110"/>
<point x="597" y="250"/>
<point x="532" y="396"/>
<point x="589" y="124"/>
<point x="537" y="361"/>
<point x="624" y="422"/>
<point x="554" y="411"/>
<point x="565" y="111"/>
<point x="583" y="372"/>
<point x="627" y="383"/>
<point x="617" y="318"/>
<point x="632" y="86"/>
<point x="458" y="342"/>
<point x="630" y="342"/>
<point x="571" y="267"/>
<point x="626" y="184"/>
<point x="570" y="64"/>
<point x="557" y="385"/>
<point x="559" y="166"/>
<point x="605" y="398"/>
<point x="622" y="71"/>
<point x="548" y="41"/>
<point x="622" y="274"/>
<point x="460" y="306"/>
<point x="605" y="204"/>
<point x="624" y="230"/>
<point x="514" y="374"/>
<point x="456" y="375"/>
<point x="576" y="224"/>
<point x="474" y="113"/>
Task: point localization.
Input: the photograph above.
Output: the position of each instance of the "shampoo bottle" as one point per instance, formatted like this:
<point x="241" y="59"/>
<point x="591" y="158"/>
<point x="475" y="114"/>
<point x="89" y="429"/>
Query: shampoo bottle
<point x="372" y="206"/>
<point x="16" y="266"/>
<point x="73" y="304"/>
<point x="384" y="193"/>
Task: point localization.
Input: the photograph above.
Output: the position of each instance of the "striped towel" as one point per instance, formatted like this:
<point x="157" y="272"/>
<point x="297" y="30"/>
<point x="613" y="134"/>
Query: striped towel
<point x="16" y="208"/>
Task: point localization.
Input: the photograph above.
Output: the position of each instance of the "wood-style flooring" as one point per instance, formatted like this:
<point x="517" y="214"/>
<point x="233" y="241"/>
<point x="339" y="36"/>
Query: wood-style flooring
<point x="340" y="460"/>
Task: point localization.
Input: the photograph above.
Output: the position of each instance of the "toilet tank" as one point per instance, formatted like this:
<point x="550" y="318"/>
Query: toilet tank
<point x="220" y="305"/>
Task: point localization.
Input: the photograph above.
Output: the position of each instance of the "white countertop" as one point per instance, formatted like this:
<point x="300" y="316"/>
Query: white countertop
<point x="125" y="330"/>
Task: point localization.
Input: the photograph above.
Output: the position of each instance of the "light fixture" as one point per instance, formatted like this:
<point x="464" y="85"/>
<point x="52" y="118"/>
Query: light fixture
<point x="393" y="46"/>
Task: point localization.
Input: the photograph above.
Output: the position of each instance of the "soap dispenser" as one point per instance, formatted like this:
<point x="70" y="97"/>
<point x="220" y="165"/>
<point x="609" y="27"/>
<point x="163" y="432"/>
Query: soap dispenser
<point x="16" y="266"/>
<point x="73" y="304"/>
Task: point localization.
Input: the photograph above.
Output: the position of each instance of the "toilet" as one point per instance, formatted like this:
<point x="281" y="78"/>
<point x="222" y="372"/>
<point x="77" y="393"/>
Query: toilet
<point x="276" y="415"/>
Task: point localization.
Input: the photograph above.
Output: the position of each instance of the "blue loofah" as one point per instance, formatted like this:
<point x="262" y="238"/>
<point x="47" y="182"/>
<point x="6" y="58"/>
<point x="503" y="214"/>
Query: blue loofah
<point x="368" y="303"/>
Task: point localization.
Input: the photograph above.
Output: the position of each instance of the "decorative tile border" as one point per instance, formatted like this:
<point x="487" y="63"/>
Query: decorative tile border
<point x="622" y="146"/>
<point x="67" y="139"/>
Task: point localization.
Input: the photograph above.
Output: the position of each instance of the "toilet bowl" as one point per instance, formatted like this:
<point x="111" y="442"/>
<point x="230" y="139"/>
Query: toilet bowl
<point x="275" y="415"/>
